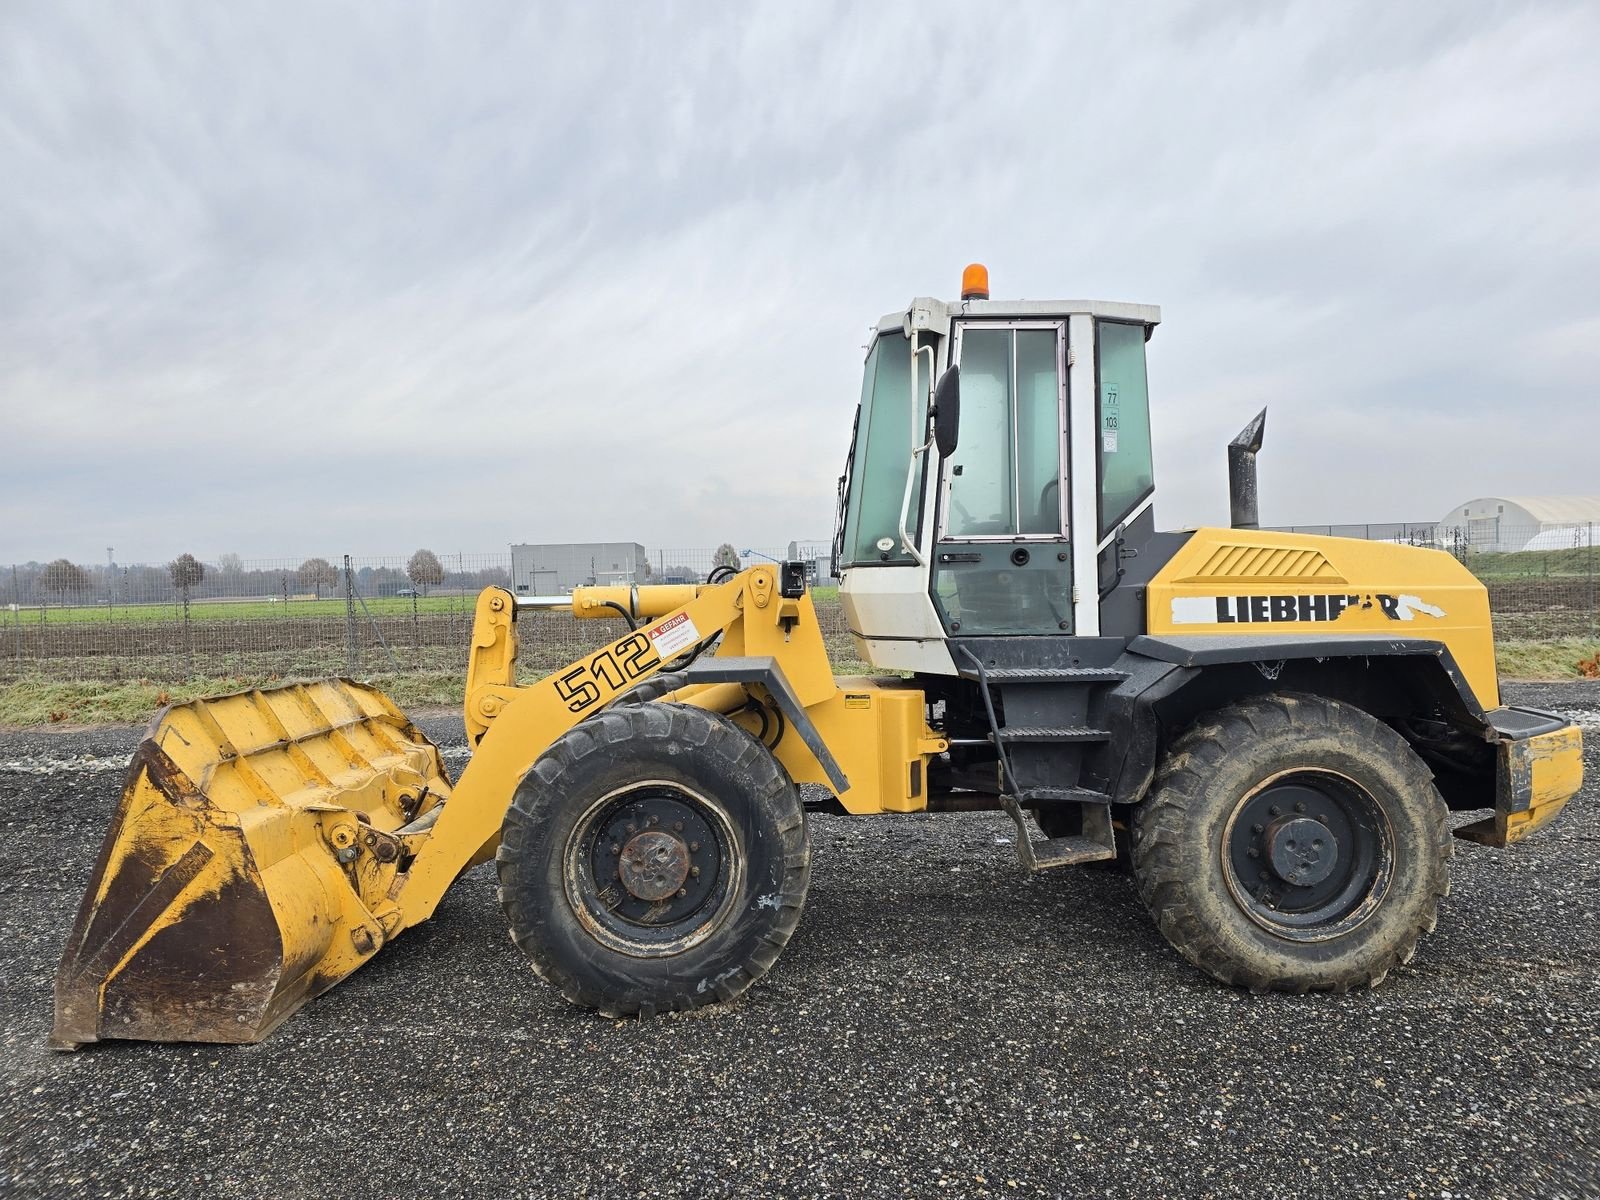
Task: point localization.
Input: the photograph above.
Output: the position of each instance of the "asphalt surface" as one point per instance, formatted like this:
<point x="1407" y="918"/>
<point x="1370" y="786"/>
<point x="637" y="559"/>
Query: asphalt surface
<point x="941" y="1024"/>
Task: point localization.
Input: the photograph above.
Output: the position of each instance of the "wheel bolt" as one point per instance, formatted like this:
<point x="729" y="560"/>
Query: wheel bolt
<point x="650" y="820"/>
<point x="1300" y="806"/>
<point x="1323" y="817"/>
<point x="1275" y="811"/>
<point x="695" y="871"/>
<point x="682" y="893"/>
<point x="1254" y="853"/>
<point x="1265" y="878"/>
<point x="1258" y="829"/>
<point x="616" y="849"/>
<point x="677" y="826"/>
<point x="693" y="846"/>
<point x="632" y="828"/>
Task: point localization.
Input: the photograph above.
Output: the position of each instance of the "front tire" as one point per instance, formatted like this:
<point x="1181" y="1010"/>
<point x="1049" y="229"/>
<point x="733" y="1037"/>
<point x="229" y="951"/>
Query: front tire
<point x="654" y="858"/>
<point x="1293" y="843"/>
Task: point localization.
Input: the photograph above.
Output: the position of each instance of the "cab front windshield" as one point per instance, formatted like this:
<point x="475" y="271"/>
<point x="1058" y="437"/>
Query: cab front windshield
<point x="887" y="431"/>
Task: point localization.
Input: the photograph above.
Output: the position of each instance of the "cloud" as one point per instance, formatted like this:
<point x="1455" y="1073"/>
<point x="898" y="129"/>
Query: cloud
<point x="278" y="279"/>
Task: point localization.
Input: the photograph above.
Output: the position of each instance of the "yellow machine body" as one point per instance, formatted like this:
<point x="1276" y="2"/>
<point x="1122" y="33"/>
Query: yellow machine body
<point x="1255" y="583"/>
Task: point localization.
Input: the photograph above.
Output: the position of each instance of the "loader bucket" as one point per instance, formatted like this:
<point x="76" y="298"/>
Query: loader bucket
<point x="249" y="864"/>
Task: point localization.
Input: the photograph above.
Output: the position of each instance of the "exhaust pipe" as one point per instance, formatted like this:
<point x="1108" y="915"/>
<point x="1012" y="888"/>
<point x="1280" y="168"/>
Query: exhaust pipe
<point x="1242" y="473"/>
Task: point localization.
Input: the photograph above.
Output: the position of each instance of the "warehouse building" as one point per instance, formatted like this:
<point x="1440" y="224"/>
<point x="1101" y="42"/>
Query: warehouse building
<point x="556" y="568"/>
<point x="1508" y="523"/>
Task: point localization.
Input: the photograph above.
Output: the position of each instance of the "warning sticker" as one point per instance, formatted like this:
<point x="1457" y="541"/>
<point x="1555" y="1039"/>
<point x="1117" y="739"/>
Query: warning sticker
<point x="672" y="635"/>
<point x="857" y="700"/>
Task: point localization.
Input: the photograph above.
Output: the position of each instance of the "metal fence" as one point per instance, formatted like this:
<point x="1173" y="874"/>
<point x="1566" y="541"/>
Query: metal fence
<point x="1541" y="578"/>
<point x="333" y="614"/>
<point x="361" y="615"/>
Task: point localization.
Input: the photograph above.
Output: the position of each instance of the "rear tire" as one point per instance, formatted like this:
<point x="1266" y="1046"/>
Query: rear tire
<point x="654" y="858"/>
<point x="1293" y="843"/>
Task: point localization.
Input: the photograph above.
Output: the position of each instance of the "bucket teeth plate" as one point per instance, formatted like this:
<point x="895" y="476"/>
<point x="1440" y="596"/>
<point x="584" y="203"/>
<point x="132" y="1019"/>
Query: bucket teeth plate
<point x="250" y="864"/>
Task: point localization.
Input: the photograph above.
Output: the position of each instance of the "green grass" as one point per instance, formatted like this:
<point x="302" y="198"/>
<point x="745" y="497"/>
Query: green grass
<point x="1575" y="562"/>
<point x="1556" y="659"/>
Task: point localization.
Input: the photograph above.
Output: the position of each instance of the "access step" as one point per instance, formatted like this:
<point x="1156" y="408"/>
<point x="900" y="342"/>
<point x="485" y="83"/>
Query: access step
<point x="1047" y="674"/>
<point x="1050" y="853"/>
<point x="1040" y="733"/>
<point x="1057" y="795"/>
<point x="1062" y="852"/>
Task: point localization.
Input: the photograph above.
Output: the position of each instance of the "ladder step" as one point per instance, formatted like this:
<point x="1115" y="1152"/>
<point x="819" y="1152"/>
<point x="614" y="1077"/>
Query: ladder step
<point x="1070" y="794"/>
<point x="1064" y="852"/>
<point x="1039" y="733"/>
<point x="1048" y="674"/>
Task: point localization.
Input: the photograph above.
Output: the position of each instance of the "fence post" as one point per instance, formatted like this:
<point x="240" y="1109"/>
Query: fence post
<point x="188" y="634"/>
<point x="352" y="659"/>
<point x="1589" y="559"/>
<point x="16" y="597"/>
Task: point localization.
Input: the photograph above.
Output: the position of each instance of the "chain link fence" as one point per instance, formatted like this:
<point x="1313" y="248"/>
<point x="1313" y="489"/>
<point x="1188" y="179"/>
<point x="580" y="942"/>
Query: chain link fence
<point x="339" y="614"/>
<point x="1541" y="578"/>
<point x="326" y="615"/>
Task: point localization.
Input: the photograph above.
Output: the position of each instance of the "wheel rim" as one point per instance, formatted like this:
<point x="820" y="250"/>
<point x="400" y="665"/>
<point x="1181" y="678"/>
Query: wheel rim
<point x="652" y="869"/>
<point x="1308" y="855"/>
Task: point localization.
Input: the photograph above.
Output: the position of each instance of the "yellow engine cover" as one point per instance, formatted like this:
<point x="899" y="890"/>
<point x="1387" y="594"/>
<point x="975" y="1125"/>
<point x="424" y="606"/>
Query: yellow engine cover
<point x="1255" y="583"/>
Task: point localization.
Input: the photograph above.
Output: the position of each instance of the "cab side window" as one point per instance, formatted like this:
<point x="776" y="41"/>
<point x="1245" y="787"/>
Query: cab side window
<point x="1126" y="473"/>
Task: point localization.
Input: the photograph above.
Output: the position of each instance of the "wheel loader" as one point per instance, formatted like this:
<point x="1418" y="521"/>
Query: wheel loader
<point x="1272" y="732"/>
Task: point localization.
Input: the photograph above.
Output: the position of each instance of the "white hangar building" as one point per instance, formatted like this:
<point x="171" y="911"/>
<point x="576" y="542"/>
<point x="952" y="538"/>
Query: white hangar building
<point x="1507" y="523"/>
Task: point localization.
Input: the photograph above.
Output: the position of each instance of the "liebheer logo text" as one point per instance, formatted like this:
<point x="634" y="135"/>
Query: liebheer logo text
<point x="1240" y="610"/>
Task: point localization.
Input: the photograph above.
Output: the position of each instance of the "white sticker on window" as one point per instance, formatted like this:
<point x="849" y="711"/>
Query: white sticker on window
<point x="672" y="635"/>
<point x="1108" y="441"/>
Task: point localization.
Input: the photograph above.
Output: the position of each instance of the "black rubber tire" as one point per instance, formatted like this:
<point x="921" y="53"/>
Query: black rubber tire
<point x="653" y="688"/>
<point x="1210" y="771"/>
<point x="725" y="767"/>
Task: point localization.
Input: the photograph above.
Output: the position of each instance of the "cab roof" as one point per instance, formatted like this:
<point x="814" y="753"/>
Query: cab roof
<point x="936" y="315"/>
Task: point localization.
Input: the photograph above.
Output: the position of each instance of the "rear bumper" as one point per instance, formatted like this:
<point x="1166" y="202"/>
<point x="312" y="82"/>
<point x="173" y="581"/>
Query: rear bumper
<point x="1538" y="768"/>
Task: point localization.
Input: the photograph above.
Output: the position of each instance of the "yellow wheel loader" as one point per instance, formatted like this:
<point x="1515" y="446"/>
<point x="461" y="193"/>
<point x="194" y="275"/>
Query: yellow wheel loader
<point x="1270" y="730"/>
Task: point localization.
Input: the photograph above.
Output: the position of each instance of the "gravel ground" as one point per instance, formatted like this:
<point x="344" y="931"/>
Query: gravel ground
<point x="940" y="1024"/>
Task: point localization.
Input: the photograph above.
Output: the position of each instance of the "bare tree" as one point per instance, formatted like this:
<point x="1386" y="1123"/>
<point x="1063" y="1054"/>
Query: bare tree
<point x="726" y="556"/>
<point x="424" y="570"/>
<point x="316" y="574"/>
<point x="230" y="564"/>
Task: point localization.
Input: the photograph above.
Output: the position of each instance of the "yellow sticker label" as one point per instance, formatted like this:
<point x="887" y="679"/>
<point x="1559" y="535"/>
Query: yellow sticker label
<point x="857" y="700"/>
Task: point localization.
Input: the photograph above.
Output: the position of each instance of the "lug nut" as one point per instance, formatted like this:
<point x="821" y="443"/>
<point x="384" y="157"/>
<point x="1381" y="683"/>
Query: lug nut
<point x="615" y="848"/>
<point x="695" y="871"/>
<point x="1274" y="810"/>
<point x="1258" y="829"/>
<point x="693" y="846"/>
<point x="631" y="827"/>
<point x="682" y="893"/>
<point x="1300" y="806"/>
<point x="677" y="826"/>
<point x="1254" y="853"/>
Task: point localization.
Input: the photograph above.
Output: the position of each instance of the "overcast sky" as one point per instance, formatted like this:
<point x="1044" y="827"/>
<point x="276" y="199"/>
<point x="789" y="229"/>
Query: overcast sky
<point x="280" y="280"/>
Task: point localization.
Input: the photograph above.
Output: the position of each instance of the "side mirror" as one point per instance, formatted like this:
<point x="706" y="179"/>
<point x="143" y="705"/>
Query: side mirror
<point x="947" y="411"/>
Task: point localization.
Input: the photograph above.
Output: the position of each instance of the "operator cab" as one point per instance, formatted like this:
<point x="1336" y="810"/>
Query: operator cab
<point x="1000" y="515"/>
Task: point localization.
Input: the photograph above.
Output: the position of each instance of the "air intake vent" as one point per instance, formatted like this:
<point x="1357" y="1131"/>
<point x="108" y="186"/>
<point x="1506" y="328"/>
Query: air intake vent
<point x="1267" y="562"/>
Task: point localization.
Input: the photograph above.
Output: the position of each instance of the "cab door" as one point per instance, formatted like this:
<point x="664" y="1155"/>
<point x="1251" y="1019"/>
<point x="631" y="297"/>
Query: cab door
<point x="1002" y="562"/>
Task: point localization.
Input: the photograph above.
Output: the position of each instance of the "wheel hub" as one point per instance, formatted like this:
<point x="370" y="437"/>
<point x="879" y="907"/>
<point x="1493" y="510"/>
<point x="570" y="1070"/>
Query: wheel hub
<point x="1301" y="851"/>
<point x="654" y="865"/>
<point x="1307" y="855"/>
